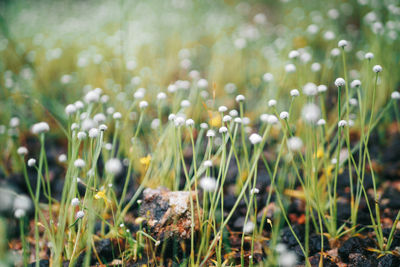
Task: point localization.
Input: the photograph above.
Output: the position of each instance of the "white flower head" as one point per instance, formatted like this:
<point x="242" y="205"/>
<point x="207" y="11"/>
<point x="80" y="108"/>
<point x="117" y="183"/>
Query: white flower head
<point x="322" y="88"/>
<point x="294" y="54"/>
<point x="92" y="96"/>
<point x="70" y="109"/>
<point x="99" y="118"/>
<point x="19" y="213"/>
<point x="143" y="104"/>
<point x="208" y="163"/>
<point x="81" y="135"/>
<point x="93" y="133"/>
<point x="353" y="101"/>
<point x="395" y="95"/>
<point x="284" y="115"/>
<point x="355" y="83"/>
<point x="31" y="162"/>
<point x="233" y="113"/>
<point x="339" y="82"/>
<point x="75" y="202"/>
<point x="222" y="109"/>
<point x="79" y="105"/>
<point x="171" y="117"/>
<point x="248" y="227"/>
<point x="103" y="127"/>
<point x="113" y="166"/>
<point x="117" y="116"/>
<point x="311" y="113"/>
<point x="342" y="43"/>
<point x="22" y="150"/>
<point x="240" y="98"/>
<point x="161" y="96"/>
<point x="342" y="123"/>
<point x="226" y="118"/>
<point x="321" y="122"/>
<point x="255" y="138"/>
<point x="237" y="120"/>
<point x="290" y="68"/>
<point x="268" y="77"/>
<point x="369" y="56"/>
<point x="203" y="125"/>
<point x="40" y="127"/>
<point x="185" y="103"/>
<point x="272" y="103"/>
<point x="310" y="89"/>
<point x="294" y="92"/>
<point x="80" y="214"/>
<point x="272" y="119"/>
<point x="264" y="117"/>
<point x="223" y="130"/>
<point x="14" y="122"/>
<point x="179" y="121"/>
<point x="79" y="163"/>
<point x="62" y="158"/>
<point x="210" y="133"/>
<point x="189" y="122"/>
<point x="254" y="191"/>
<point x="377" y="68"/>
<point x="209" y="184"/>
<point x="295" y="143"/>
<point x="202" y="83"/>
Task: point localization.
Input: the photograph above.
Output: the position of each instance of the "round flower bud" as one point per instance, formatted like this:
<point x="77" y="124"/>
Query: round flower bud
<point x="117" y="116"/>
<point x="22" y="150"/>
<point x="272" y="103"/>
<point x="75" y="202"/>
<point x="284" y="115"/>
<point x="80" y="214"/>
<point x="339" y="82"/>
<point x="294" y="92"/>
<point x="31" y="162"/>
<point x="342" y="123"/>
<point x="79" y="163"/>
<point x="342" y="43"/>
<point x="143" y="104"/>
<point x="255" y="138"/>
<point x="223" y="129"/>
<point x="70" y="109"/>
<point x="377" y="68"/>
<point x="40" y="127"/>
<point x="240" y="98"/>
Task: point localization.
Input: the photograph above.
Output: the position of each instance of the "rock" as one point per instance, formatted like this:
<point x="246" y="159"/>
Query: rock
<point x="353" y="245"/>
<point x="168" y="213"/>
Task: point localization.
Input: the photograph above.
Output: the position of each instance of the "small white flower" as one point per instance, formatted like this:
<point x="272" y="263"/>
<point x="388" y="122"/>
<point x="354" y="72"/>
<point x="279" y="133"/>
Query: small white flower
<point x="369" y="56"/>
<point x="294" y="54"/>
<point x="31" y="162"/>
<point x="74" y="126"/>
<point x="255" y="138"/>
<point x="92" y="96"/>
<point x="335" y="52"/>
<point x="294" y="92"/>
<point x="143" y="104"/>
<point x="210" y="133"/>
<point x="62" y="158"/>
<point x="272" y="119"/>
<point x="226" y="118"/>
<point x="322" y="88"/>
<point x="233" y="113"/>
<point x="321" y="122"/>
<point x="342" y="43"/>
<point x="139" y="94"/>
<point x="264" y="117"/>
<point x="355" y="83"/>
<point x="189" y="122"/>
<point x="333" y="161"/>
<point x="93" y="133"/>
<point x="19" y="213"/>
<point x="339" y="82"/>
<point x="99" y="118"/>
<point x="75" y="202"/>
<point x="104" y="98"/>
<point x="284" y="115"/>
<point x="171" y="117"/>
<point x="254" y="191"/>
<point x="14" y="122"/>
<point x="161" y="96"/>
<point x="342" y="123"/>
<point x="310" y="89"/>
<point x="70" y="109"/>
<point x="223" y="129"/>
<point x="395" y="95"/>
<point x="179" y="121"/>
<point x="272" y="103"/>
<point x="202" y="83"/>
<point x="377" y="68"/>
<point x="40" y="127"/>
<point x="22" y="150"/>
<point x="80" y="214"/>
<point x="240" y="98"/>
<point x="108" y="146"/>
<point x="185" y="103"/>
<point x="79" y="163"/>
<point x="79" y="105"/>
<point x="113" y="166"/>
<point x="81" y="135"/>
<point x="311" y="113"/>
<point x="237" y="120"/>
<point x="290" y="68"/>
<point x="203" y="125"/>
<point x="209" y="184"/>
<point x="315" y="67"/>
<point x="117" y="116"/>
<point x="353" y="101"/>
<point x="268" y="77"/>
<point x="248" y="227"/>
<point x="294" y="143"/>
<point x="207" y="163"/>
<point x="103" y="127"/>
<point x="222" y="109"/>
<point x="287" y="259"/>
